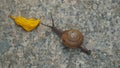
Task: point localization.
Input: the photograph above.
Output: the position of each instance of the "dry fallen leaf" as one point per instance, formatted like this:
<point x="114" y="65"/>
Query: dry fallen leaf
<point x="27" y="24"/>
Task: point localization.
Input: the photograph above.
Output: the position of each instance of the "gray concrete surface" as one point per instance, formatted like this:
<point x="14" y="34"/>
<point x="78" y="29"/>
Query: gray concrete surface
<point x="98" y="20"/>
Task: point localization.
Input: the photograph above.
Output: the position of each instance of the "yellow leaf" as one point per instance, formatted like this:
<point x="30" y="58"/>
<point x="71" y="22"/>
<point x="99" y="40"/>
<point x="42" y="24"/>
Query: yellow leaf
<point x="27" y="24"/>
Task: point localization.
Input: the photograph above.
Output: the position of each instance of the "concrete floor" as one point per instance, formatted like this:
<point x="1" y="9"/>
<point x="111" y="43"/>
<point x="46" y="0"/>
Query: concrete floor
<point x="98" y="20"/>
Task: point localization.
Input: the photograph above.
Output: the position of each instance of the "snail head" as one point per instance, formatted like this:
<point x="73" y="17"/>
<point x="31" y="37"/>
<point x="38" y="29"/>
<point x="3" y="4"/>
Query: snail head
<point x="54" y="29"/>
<point x="53" y="26"/>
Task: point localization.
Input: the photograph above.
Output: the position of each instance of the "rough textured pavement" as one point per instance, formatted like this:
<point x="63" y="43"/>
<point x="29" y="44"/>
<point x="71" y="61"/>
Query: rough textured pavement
<point x="98" y="20"/>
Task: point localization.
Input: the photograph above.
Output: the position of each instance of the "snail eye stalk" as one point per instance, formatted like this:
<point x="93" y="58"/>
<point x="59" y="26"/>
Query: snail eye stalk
<point x="46" y="25"/>
<point x="52" y="20"/>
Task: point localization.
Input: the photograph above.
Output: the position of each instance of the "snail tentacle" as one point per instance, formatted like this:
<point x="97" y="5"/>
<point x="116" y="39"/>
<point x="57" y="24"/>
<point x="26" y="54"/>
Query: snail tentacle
<point x="59" y="32"/>
<point x="52" y="21"/>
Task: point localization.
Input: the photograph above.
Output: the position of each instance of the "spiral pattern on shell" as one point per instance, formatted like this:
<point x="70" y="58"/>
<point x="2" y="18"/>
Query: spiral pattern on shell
<point x="72" y="38"/>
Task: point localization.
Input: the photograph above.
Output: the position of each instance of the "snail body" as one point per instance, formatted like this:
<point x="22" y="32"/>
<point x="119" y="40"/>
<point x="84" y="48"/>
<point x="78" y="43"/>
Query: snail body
<point x="72" y="38"/>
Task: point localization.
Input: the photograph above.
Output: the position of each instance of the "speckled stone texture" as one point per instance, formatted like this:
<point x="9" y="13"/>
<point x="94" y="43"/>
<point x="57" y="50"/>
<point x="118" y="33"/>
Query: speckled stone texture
<point x="98" y="20"/>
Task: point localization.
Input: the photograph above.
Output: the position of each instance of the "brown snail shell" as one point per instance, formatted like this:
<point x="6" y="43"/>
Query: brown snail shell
<point x="72" y="38"/>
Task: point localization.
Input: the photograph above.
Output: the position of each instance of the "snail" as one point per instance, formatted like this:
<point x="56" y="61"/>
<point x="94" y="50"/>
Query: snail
<point x="72" y="38"/>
